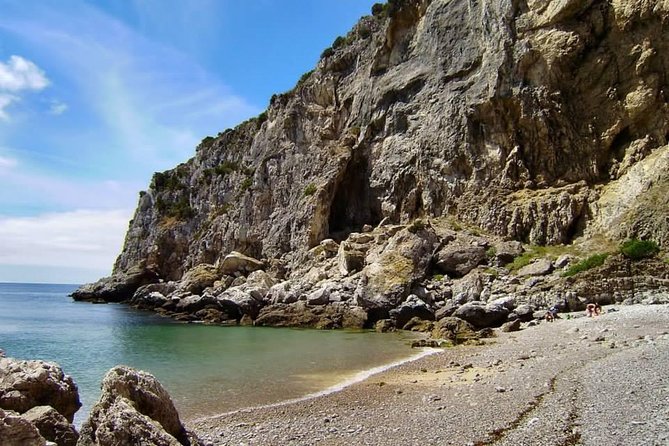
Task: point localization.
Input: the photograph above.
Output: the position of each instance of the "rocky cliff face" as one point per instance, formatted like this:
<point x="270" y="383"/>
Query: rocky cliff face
<point x="539" y="121"/>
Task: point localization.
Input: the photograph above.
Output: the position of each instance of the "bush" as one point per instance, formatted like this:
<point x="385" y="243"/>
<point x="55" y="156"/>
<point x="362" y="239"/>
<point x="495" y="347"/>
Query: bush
<point x="226" y="167"/>
<point x="639" y="249"/>
<point x="327" y="52"/>
<point x="304" y="77"/>
<point x="438" y="277"/>
<point x="339" y="42"/>
<point x="491" y="252"/>
<point x="310" y="189"/>
<point x="207" y="141"/>
<point x="584" y="265"/>
<point x="416" y="226"/>
<point x="378" y="9"/>
<point x="247" y="183"/>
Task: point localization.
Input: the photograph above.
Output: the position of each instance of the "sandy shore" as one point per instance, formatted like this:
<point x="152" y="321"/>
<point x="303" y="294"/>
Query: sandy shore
<point x="579" y="381"/>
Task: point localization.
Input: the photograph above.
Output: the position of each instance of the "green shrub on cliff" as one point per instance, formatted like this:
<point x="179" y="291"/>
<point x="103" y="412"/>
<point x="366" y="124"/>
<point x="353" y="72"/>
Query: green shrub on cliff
<point x="639" y="249"/>
<point x="584" y="265"/>
<point x="310" y="189"/>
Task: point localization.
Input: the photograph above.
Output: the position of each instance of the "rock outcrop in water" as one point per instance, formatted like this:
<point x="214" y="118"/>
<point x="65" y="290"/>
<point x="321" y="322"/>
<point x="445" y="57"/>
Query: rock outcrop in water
<point x="426" y="141"/>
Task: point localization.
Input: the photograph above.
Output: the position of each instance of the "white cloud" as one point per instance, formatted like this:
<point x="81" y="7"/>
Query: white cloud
<point x="5" y="101"/>
<point x="78" y="239"/>
<point x="19" y="74"/>
<point x="58" y="108"/>
<point x="7" y="163"/>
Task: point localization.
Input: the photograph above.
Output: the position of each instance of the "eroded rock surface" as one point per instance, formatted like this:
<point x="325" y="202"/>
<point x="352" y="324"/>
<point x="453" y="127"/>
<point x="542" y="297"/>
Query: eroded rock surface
<point x="543" y="124"/>
<point x="27" y="384"/>
<point x="133" y="408"/>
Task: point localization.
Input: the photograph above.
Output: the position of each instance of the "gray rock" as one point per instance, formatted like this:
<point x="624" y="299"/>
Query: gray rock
<point x="350" y="258"/>
<point x="539" y="267"/>
<point x="133" y="408"/>
<point x="511" y="326"/>
<point x="457" y="259"/>
<point x="26" y="384"/>
<point x="52" y="425"/>
<point x="481" y="315"/>
<point x="17" y="431"/>
<point x="411" y="308"/>
<point x="236" y="262"/>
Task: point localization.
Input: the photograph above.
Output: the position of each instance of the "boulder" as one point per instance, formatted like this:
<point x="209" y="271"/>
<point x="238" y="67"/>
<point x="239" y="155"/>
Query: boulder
<point x="240" y="298"/>
<point x="505" y="252"/>
<point x="481" y="315"/>
<point x="354" y="317"/>
<point x="411" y="308"/>
<point x="17" y="431"/>
<point x="384" y="326"/>
<point x="458" y="260"/>
<point x="26" y="384"/>
<point x="281" y="293"/>
<point x="298" y="314"/>
<point x="511" y="326"/>
<point x="52" y="425"/>
<point x="523" y="313"/>
<point x="387" y="281"/>
<point x="350" y="258"/>
<point x="133" y="408"/>
<point x="199" y="277"/>
<point x="454" y="329"/>
<point x="539" y="267"/>
<point x="236" y="262"/>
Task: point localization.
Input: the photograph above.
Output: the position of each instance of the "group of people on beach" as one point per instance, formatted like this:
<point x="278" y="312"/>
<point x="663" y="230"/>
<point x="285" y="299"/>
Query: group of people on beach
<point x="591" y="310"/>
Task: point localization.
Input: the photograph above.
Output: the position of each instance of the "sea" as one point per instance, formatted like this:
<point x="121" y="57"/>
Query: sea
<point x="208" y="370"/>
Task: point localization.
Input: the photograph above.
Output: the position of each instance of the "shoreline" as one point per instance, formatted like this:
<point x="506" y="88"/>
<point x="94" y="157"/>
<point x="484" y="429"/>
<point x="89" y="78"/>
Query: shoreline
<point x="357" y="377"/>
<point x="527" y="387"/>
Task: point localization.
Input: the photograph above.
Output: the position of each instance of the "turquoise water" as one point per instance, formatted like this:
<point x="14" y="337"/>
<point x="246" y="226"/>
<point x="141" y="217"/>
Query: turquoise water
<point x="206" y="369"/>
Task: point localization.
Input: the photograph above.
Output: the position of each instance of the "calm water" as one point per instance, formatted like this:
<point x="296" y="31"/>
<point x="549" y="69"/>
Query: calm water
<point x="206" y="369"/>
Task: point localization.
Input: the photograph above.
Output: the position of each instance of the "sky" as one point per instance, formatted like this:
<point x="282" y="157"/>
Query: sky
<point x="95" y="96"/>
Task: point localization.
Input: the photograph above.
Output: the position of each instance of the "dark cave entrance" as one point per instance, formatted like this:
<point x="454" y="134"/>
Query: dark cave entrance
<point x="354" y="204"/>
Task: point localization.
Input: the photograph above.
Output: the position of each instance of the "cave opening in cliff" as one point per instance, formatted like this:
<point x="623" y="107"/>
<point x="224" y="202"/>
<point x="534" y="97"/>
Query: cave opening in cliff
<point x="354" y="204"/>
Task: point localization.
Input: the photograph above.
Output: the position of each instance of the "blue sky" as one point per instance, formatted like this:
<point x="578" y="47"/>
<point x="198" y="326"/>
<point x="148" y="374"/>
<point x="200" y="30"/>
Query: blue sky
<point x="95" y="96"/>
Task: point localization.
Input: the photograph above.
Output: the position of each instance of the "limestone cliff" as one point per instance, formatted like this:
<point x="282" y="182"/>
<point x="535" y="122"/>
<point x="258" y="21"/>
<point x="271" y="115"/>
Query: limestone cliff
<point x="539" y="121"/>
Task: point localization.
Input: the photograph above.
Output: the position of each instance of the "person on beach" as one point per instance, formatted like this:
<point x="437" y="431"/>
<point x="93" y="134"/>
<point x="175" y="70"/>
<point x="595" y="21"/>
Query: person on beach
<point x="593" y="309"/>
<point x="552" y="314"/>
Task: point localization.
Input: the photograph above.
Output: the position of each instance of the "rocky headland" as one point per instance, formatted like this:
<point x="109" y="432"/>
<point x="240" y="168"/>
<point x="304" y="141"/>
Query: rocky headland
<point x="445" y="158"/>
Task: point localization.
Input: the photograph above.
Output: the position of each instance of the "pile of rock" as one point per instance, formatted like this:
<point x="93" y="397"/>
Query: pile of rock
<point x="38" y="402"/>
<point x="392" y="273"/>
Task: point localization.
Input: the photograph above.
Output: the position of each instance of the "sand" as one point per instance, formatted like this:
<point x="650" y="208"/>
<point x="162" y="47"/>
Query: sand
<point x="577" y="381"/>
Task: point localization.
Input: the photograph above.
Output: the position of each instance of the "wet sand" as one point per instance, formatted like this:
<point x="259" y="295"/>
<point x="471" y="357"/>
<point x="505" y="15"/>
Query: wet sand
<point x="578" y="381"/>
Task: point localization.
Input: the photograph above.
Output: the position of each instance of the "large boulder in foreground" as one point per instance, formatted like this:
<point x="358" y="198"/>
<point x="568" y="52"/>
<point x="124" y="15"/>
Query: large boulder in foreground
<point x="133" y="408"/>
<point x="16" y="431"/>
<point x="26" y="384"/>
<point x="52" y="425"/>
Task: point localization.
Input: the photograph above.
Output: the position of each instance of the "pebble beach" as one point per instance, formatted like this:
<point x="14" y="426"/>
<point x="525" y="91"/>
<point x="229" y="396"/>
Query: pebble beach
<point x="575" y="381"/>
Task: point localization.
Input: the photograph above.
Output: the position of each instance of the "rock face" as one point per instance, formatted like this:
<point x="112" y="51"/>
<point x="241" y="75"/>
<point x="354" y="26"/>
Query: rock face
<point x="52" y="425"/>
<point x="537" y="123"/>
<point x="26" y="384"/>
<point x="133" y="408"/>
<point x="16" y="431"/>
